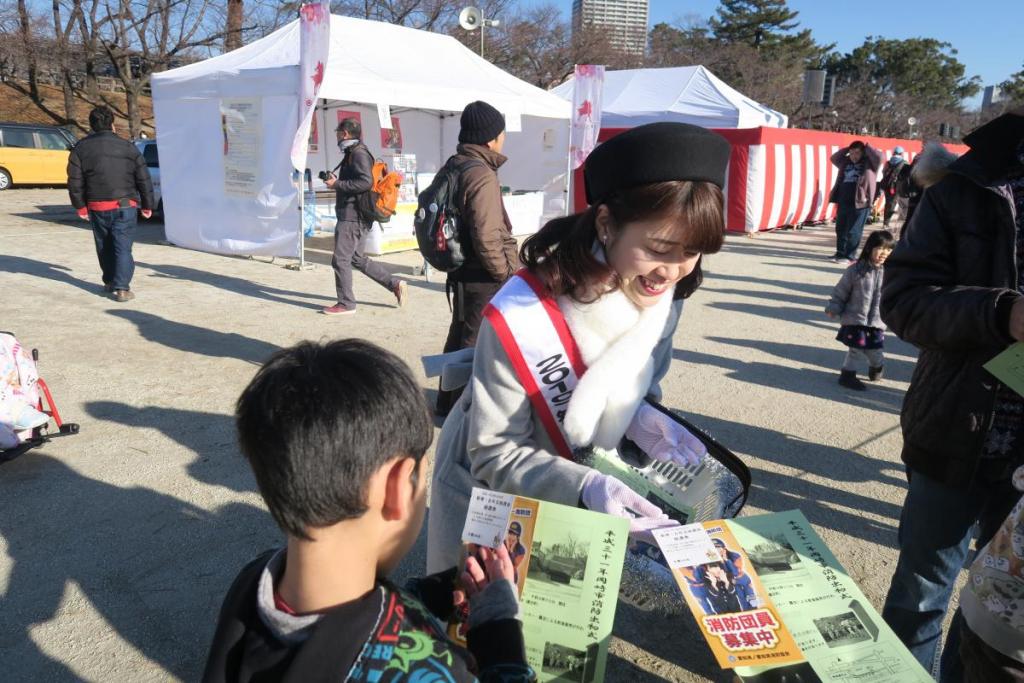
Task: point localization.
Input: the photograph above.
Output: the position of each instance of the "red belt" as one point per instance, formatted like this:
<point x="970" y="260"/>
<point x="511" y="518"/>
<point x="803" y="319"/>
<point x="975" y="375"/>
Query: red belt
<point x="109" y="205"/>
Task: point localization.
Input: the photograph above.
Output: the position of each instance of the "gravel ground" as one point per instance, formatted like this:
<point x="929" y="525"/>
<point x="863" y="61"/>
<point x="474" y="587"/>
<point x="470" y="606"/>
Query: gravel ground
<point x="117" y="545"/>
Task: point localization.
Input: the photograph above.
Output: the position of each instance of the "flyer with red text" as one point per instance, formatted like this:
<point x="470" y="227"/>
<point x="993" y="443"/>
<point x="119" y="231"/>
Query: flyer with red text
<point x="731" y="606"/>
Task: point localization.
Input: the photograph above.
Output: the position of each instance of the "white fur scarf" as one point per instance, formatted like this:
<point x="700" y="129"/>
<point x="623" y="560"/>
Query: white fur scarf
<point x="616" y="340"/>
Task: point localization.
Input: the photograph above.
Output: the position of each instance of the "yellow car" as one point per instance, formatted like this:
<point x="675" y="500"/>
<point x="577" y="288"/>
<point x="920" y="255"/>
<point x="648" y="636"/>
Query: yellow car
<point x="32" y="154"/>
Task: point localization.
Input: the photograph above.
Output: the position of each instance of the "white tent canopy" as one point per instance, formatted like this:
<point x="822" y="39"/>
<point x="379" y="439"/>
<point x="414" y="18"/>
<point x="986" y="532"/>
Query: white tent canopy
<point x="686" y="94"/>
<point x="369" y="62"/>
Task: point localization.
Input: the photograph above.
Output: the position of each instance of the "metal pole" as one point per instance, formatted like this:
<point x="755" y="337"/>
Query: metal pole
<point x="483" y="25"/>
<point x="302" y="222"/>
<point x="568" y="164"/>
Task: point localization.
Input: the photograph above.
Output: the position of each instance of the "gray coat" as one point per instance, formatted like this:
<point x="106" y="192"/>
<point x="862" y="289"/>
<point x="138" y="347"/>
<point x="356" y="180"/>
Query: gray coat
<point x="493" y="439"/>
<point x="857" y="297"/>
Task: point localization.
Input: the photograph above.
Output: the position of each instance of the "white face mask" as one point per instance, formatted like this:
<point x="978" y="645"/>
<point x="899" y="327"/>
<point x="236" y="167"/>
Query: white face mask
<point x="345" y="144"/>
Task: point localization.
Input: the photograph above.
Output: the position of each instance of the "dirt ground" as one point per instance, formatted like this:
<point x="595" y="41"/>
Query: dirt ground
<point x="118" y="544"/>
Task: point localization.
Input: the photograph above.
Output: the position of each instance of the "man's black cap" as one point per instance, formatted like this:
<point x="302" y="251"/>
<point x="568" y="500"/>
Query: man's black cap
<point x="655" y="153"/>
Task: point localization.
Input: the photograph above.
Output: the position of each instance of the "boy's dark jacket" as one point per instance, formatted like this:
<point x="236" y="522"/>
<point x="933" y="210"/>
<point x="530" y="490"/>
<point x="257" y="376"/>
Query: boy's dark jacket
<point x="105" y="167"/>
<point x="948" y="289"/>
<point x="385" y="636"/>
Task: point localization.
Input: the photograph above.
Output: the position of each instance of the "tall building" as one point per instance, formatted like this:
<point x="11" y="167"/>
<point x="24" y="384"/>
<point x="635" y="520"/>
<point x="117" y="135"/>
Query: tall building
<point x="624" y="20"/>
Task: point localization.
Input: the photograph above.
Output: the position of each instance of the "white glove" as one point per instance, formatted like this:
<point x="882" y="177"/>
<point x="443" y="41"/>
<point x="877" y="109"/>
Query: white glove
<point x="664" y="439"/>
<point x="604" y="493"/>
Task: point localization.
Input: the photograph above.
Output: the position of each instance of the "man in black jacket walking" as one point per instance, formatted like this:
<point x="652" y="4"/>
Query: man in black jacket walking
<point x="355" y="178"/>
<point x="954" y="287"/>
<point x="107" y="181"/>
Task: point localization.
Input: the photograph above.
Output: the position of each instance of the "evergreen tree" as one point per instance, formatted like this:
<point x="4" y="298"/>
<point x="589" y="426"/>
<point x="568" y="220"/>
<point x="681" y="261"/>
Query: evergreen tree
<point x="1013" y="88"/>
<point x="767" y="25"/>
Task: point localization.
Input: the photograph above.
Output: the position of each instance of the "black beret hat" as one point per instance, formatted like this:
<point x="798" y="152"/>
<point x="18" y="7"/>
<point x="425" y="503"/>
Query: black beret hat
<point x="480" y="123"/>
<point x="655" y="153"/>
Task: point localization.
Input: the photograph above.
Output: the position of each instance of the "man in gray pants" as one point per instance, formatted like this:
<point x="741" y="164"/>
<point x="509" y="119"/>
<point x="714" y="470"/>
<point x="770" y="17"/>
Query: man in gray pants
<point x="354" y="179"/>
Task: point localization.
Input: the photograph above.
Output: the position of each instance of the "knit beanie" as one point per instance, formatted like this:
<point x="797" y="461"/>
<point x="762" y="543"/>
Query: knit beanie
<point x="481" y="123"/>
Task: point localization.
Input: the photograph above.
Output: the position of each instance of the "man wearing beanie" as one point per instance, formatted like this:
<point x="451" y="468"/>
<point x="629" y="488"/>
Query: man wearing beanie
<point x="490" y="250"/>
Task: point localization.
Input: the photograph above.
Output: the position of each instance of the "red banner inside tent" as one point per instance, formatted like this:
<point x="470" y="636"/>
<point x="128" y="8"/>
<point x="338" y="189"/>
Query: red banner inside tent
<point x="779" y="176"/>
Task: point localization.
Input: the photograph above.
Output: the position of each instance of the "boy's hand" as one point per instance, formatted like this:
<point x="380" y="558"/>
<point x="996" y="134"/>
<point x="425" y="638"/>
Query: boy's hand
<point x="484" y="566"/>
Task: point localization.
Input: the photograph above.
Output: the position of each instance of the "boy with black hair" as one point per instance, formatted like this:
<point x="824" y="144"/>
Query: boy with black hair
<point x="336" y="435"/>
<point x="109" y="184"/>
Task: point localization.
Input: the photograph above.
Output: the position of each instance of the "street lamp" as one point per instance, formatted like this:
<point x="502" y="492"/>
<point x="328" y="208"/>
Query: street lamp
<point x="471" y="18"/>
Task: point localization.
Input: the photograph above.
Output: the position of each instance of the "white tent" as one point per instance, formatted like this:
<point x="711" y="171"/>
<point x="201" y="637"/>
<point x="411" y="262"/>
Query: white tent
<point x="687" y="94"/>
<point x="431" y="76"/>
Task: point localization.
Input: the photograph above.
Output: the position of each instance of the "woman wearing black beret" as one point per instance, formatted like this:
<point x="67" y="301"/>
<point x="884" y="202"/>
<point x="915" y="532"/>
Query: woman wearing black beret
<point x="573" y="344"/>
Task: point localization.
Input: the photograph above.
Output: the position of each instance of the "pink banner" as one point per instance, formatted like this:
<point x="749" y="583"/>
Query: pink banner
<point x="588" y="85"/>
<point x="314" y="46"/>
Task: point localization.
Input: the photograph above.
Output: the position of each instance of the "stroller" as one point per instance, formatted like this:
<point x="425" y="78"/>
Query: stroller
<point x="39" y="434"/>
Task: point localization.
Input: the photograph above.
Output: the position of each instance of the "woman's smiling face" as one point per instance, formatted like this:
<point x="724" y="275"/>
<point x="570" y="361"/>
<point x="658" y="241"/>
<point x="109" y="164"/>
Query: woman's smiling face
<point x="649" y="256"/>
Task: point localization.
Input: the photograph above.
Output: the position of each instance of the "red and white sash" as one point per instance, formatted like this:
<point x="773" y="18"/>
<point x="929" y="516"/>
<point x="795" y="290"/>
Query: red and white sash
<point x="540" y="346"/>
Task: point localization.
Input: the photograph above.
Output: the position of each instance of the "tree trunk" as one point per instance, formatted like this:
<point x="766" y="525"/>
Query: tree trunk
<point x="30" y="50"/>
<point x="131" y="96"/>
<point x="233" y="36"/>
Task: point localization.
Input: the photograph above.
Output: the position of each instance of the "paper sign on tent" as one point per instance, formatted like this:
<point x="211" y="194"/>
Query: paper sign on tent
<point x="513" y="122"/>
<point x="384" y="115"/>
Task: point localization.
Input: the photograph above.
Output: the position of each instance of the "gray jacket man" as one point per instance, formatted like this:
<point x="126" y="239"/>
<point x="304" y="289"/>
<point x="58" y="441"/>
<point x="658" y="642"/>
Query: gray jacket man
<point x="355" y="178"/>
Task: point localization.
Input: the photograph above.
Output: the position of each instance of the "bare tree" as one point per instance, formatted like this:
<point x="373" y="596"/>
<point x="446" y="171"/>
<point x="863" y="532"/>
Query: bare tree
<point x="67" y="55"/>
<point x="146" y="36"/>
<point x="29" y="47"/>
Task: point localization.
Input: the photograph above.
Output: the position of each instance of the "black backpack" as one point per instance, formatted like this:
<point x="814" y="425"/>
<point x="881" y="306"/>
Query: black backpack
<point x="438" y="230"/>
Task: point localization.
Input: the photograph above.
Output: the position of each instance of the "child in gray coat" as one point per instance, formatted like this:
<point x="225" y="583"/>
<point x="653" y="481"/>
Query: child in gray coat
<point x="855" y="301"/>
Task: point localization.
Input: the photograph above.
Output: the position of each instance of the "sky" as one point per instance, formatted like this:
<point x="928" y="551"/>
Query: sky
<point x="988" y="34"/>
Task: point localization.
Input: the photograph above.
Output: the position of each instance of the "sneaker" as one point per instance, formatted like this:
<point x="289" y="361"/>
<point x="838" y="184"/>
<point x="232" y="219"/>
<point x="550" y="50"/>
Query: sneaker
<point x="401" y="292"/>
<point x="338" y="309"/>
<point x="29" y="418"/>
<point x="123" y="295"/>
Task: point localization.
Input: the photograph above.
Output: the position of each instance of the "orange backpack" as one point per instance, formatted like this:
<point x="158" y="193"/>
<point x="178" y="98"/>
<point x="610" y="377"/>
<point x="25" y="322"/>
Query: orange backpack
<point x="380" y="202"/>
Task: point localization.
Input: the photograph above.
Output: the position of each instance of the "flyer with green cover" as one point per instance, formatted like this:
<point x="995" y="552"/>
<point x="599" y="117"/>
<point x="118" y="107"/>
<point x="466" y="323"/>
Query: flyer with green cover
<point x="1008" y="367"/>
<point x="840" y="634"/>
<point x="568" y="565"/>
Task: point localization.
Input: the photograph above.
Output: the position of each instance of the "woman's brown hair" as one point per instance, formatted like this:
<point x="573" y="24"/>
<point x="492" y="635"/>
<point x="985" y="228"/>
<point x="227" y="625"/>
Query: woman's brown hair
<point x="561" y="253"/>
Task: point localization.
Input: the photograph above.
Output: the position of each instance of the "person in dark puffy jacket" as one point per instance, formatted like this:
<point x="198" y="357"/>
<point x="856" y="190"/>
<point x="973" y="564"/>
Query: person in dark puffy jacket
<point x="109" y="182"/>
<point x="954" y="287"/>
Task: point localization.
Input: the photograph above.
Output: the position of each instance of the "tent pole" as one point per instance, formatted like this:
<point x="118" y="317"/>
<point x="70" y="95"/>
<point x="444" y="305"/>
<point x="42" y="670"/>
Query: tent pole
<point x="568" y="179"/>
<point x="302" y="221"/>
<point x="568" y="164"/>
